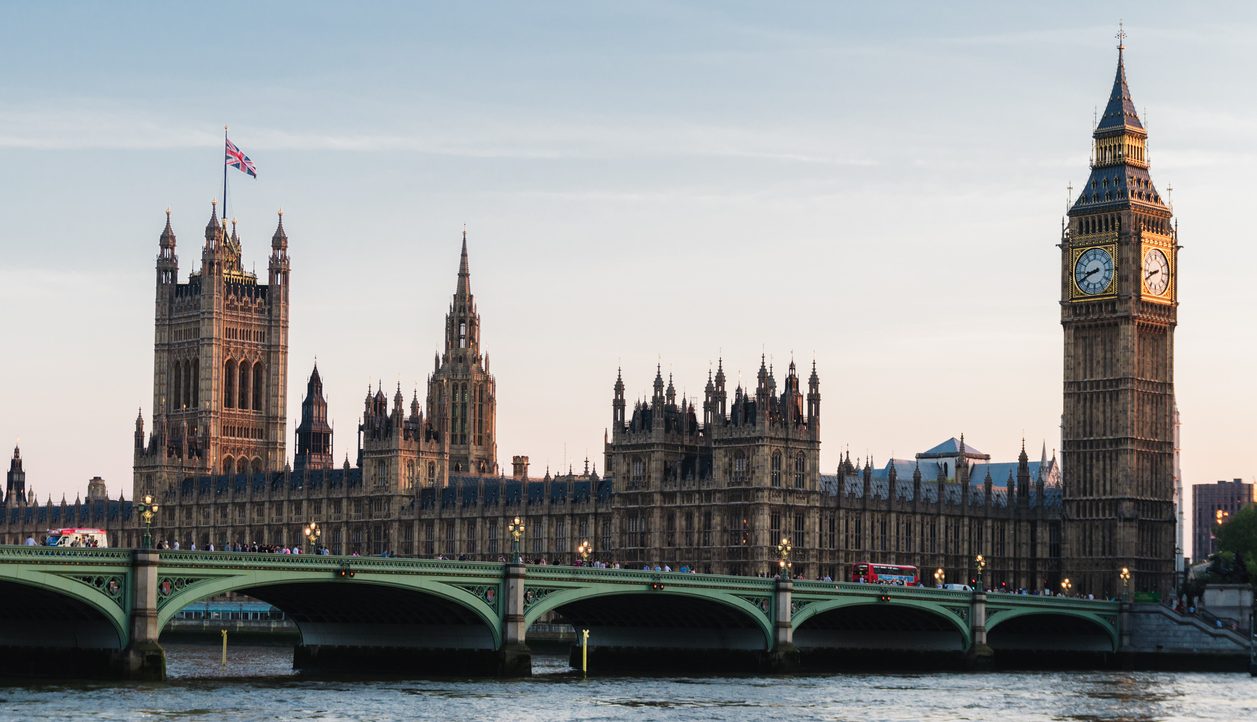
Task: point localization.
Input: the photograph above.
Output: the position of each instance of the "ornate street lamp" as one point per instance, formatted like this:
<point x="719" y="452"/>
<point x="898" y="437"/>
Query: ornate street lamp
<point x="1124" y="575"/>
<point x="783" y="554"/>
<point x="981" y="562"/>
<point x="584" y="549"/>
<point x="312" y="532"/>
<point x="147" y="508"/>
<point x="516" y="529"/>
<point x="938" y="577"/>
<point x="1066" y="585"/>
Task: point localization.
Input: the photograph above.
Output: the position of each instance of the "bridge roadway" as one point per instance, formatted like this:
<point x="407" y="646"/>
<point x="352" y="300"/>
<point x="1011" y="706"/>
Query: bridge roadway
<point x="100" y="612"/>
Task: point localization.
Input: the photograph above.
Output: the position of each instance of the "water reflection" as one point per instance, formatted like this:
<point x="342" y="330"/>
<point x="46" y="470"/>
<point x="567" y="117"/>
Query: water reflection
<point x="258" y="684"/>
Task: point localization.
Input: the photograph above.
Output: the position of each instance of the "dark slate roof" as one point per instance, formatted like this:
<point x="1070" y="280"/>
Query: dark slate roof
<point x="852" y="486"/>
<point x="951" y="447"/>
<point x="1117" y="185"/>
<point x="1120" y="111"/>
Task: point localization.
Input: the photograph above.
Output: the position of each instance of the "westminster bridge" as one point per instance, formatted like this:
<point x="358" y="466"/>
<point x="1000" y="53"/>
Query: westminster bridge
<point x="101" y="612"/>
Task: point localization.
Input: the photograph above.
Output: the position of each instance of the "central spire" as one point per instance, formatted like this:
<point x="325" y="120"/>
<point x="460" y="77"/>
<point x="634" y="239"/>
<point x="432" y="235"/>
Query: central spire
<point x="462" y="322"/>
<point x="464" y="274"/>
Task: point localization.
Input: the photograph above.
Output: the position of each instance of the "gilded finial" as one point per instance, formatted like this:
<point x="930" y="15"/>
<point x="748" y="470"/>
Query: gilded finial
<point x="1121" y="35"/>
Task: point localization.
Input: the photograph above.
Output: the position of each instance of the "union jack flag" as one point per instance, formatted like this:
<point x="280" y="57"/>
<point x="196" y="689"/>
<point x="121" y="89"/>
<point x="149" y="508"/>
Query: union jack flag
<point x="238" y="160"/>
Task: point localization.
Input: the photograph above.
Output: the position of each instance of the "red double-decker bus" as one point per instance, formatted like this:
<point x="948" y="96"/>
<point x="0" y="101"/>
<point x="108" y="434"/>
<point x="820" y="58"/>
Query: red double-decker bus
<point x="870" y="573"/>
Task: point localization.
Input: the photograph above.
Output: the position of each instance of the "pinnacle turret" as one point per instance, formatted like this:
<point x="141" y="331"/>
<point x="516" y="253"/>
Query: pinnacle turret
<point x="213" y="229"/>
<point x="167" y="239"/>
<point x="279" y="241"/>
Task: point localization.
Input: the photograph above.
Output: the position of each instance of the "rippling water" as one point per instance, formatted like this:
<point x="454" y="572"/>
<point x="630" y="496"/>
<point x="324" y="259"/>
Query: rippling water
<point x="258" y="684"/>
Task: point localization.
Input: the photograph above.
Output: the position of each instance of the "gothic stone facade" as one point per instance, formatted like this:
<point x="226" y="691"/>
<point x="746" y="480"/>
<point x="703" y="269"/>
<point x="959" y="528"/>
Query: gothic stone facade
<point x="715" y="488"/>
<point x="1119" y="308"/>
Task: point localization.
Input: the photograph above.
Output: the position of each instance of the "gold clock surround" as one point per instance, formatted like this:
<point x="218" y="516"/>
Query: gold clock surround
<point x="1166" y="247"/>
<point x="1076" y="294"/>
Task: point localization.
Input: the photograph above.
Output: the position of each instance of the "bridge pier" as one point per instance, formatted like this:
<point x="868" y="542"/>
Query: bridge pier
<point x="784" y="656"/>
<point x="142" y="658"/>
<point x="979" y="655"/>
<point x="514" y="659"/>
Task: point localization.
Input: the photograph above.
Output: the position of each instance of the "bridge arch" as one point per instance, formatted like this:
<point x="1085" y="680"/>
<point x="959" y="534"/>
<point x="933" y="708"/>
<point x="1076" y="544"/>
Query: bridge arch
<point x="603" y="603"/>
<point x="822" y="623"/>
<point x="1050" y="629"/>
<point x="51" y="610"/>
<point x="387" y="608"/>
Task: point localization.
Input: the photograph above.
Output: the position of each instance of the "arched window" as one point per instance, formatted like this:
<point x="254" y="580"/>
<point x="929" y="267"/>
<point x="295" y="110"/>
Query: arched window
<point x="462" y="334"/>
<point x="194" y="384"/>
<point x="638" y="476"/>
<point x="800" y="471"/>
<point x="256" y="467"/>
<point x="410" y="474"/>
<point x="229" y="466"/>
<point x="229" y="384"/>
<point x="431" y="473"/>
<point x="257" y="386"/>
<point x="176" y="386"/>
<point x="245" y="378"/>
<point x="776" y="470"/>
<point x="741" y="470"/>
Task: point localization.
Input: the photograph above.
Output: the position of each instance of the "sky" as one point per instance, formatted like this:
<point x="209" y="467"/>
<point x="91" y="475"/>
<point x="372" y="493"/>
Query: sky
<point x="874" y="186"/>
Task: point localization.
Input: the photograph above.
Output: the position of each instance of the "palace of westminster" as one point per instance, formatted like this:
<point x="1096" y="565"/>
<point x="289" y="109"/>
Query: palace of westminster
<point x="714" y="487"/>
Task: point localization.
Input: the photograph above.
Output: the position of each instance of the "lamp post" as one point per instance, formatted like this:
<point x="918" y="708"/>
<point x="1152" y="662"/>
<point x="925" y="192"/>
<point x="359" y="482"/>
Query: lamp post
<point x="981" y="562"/>
<point x="312" y="533"/>
<point x="584" y="549"/>
<point x="1066" y="585"/>
<point x="783" y="554"/>
<point x="516" y="529"/>
<point x="938" y="577"/>
<point x="1124" y="575"/>
<point x="147" y="508"/>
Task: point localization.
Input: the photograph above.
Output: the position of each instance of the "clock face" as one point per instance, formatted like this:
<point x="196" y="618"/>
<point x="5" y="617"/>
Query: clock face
<point x="1156" y="272"/>
<point x="1093" y="272"/>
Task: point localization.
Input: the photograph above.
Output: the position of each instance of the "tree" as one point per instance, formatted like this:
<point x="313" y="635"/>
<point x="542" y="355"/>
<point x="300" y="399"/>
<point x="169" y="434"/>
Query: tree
<point x="1239" y="537"/>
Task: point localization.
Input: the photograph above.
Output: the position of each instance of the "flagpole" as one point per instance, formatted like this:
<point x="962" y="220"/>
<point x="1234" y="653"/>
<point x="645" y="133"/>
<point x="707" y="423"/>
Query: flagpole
<point x="224" y="174"/>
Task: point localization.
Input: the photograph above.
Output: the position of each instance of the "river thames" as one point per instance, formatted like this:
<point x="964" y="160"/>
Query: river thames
<point x="258" y="684"/>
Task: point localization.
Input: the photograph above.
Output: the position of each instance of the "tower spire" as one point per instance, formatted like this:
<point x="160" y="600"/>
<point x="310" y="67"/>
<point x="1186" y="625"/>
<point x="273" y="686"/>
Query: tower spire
<point x="464" y="273"/>
<point x="1120" y="111"/>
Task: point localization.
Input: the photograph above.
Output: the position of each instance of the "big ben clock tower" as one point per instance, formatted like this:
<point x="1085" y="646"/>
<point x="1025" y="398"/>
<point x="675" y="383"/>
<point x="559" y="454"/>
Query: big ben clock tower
<point x="1119" y="306"/>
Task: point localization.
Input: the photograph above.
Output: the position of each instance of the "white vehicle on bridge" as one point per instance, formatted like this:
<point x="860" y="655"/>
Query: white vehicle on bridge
<point x="78" y="538"/>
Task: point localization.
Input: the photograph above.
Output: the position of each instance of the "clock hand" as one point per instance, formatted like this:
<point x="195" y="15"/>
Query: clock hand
<point x="1152" y="273"/>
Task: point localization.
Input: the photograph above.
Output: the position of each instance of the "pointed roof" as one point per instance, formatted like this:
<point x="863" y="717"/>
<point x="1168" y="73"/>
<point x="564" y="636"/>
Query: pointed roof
<point x="315" y="385"/>
<point x="167" y="239"/>
<point x="464" y="272"/>
<point x="214" y="228"/>
<point x="951" y="447"/>
<point x="1119" y="113"/>
<point x="280" y="239"/>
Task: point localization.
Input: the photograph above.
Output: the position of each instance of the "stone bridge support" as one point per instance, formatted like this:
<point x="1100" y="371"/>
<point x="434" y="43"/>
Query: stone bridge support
<point x="783" y="657"/>
<point x="515" y="657"/>
<point x="980" y="653"/>
<point x="143" y="658"/>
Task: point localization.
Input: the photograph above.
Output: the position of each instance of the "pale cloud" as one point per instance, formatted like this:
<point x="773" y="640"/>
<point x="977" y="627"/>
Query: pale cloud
<point x="84" y="125"/>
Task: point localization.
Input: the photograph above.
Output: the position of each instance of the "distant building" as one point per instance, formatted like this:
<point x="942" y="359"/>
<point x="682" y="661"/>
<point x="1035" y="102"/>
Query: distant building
<point x="1227" y="497"/>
